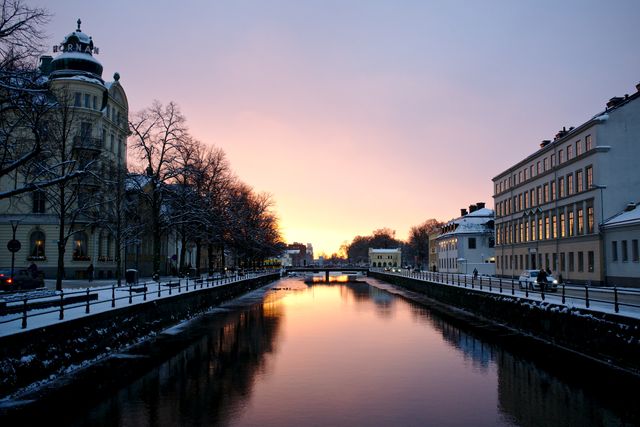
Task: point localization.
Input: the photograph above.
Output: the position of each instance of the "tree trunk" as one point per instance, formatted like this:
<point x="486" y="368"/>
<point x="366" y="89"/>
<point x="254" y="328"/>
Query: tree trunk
<point x="210" y="257"/>
<point x="155" y="207"/>
<point x="62" y="242"/>
<point x="222" y="257"/>
<point x="198" y="253"/>
<point x="183" y="253"/>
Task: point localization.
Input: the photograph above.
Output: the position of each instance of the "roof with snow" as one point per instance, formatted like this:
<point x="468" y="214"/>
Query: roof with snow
<point x="135" y="182"/>
<point x="385" y="251"/>
<point x="477" y="222"/>
<point x="613" y="105"/>
<point x="76" y="57"/>
<point x="629" y="216"/>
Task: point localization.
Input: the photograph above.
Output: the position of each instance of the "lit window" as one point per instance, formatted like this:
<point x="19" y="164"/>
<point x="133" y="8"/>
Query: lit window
<point x="36" y="243"/>
<point x="80" y="246"/>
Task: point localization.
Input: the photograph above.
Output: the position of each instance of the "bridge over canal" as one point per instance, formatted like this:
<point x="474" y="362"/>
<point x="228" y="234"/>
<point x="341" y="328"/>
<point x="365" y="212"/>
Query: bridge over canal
<point x="326" y="270"/>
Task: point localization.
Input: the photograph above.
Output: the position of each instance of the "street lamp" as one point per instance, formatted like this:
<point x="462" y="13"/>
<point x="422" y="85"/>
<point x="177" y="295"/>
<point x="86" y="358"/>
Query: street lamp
<point x="14" y="245"/>
<point x="601" y="231"/>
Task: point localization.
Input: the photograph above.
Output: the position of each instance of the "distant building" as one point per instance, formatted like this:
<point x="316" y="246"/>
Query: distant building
<point x="385" y="257"/>
<point x="295" y="255"/>
<point x="550" y="204"/>
<point x="467" y="243"/>
<point x="622" y="234"/>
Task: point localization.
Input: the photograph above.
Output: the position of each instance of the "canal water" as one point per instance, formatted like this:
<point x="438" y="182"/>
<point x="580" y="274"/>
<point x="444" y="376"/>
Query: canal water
<point x="347" y="354"/>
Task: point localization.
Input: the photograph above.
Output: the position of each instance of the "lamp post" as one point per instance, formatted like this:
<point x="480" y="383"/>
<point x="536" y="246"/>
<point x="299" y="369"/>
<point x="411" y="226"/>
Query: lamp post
<point x="601" y="232"/>
<point x="14" y="245"/>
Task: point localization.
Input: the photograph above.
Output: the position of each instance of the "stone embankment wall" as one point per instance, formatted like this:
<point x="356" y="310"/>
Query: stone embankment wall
<point x="604" y="338"/>
<point x="40" y="354"/>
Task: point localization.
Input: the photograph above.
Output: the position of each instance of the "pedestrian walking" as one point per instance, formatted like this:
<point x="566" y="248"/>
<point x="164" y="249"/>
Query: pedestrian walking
<point x="90" y="272"/>
<point x="33" y="270"/>
<point x="542" y="279"/>
<point x="475" y="273"/>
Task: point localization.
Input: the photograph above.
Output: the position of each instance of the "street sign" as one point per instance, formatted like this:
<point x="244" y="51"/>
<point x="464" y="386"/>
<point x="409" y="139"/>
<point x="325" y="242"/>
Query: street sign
<point x="14" y="245"/>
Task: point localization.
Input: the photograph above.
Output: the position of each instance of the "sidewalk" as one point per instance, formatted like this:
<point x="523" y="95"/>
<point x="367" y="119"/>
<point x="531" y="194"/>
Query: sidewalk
<point x="85" y="283"/>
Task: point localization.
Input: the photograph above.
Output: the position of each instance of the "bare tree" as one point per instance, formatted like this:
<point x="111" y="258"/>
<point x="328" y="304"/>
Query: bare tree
<point x="158" y="133"/>
<point x="418" y="241"/>
<point x="214" y="183"/>
<point x="253" y="227"/>
<point x="184" y="199"/>
<point x="66" y="168"/>
<point x="21" y="34"/>
<point x="24" y="98"/>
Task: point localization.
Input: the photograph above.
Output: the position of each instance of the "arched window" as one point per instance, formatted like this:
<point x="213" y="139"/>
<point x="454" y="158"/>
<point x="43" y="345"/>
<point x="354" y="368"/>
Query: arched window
<point x="80" y="246"/>
<point x="36" y="245"/>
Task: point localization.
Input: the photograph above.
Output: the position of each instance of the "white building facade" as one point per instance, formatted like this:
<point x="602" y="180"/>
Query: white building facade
<point x="550" y="204"/>
<point x="385" y="257"/>
<point x="467" y="243"/>
<point x="622" y="234"/>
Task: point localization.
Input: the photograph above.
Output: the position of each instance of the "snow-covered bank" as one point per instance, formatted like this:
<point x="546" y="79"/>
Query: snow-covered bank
<point x="52" y="347"/>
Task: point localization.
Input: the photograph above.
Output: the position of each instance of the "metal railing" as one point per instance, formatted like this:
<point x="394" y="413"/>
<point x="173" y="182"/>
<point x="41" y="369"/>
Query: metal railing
<point x="17" y="309"/>
<point x="588" y="295"/>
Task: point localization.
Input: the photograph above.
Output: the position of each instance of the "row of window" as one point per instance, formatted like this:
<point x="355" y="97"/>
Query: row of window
<point x="566" y="221"/>
<point x="91" y="101"/>
<point x="563" y="154"/>
<point x="450" y="263"/>
<point x="37" y="241"/>
<point x="384" y="264"/>
<point x="568" y="185"/>
<point x="625" y="251"/>
<point x="563" y="262"/>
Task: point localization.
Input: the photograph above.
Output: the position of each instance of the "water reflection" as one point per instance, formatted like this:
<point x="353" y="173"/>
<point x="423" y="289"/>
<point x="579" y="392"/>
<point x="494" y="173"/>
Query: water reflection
<point x="348" y="354"/>
<point x="207" y="383"/>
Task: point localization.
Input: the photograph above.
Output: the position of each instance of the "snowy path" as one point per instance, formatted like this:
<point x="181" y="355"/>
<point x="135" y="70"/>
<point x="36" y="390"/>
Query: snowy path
<point x="108" y="298"/>
<point x="600" y="299"/>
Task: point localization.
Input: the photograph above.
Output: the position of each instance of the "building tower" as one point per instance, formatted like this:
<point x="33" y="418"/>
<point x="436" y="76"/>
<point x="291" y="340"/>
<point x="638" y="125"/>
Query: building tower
<point x="85" y="129"/>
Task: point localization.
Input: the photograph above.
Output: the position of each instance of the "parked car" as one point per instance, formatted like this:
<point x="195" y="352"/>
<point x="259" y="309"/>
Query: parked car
<point x="22" y="279"/>
<point x="529" y="278"/>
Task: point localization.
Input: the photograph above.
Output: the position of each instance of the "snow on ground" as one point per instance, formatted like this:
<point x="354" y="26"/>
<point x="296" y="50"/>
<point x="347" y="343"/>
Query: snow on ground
<point x="107" y="296"/>
<point x="12" y="323"/>
<point x="630" y="296"/>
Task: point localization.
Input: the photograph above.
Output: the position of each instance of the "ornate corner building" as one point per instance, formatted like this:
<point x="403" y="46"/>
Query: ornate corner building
<point x="86" y="133"/>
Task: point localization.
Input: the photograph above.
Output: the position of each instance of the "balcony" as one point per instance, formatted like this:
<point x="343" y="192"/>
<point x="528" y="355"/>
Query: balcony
<point x="86" y="143"/>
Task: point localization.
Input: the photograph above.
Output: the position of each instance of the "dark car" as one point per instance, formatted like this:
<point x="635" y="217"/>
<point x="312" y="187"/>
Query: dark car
<point x="22" y="279"/>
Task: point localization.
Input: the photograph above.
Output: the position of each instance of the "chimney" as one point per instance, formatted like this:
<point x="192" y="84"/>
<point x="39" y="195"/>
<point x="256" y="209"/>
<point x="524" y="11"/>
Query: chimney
<point x="45" y="64"/>
<point x="638" y="87"/>
<point x="545" y="142"/>
<point x="561" y="133"/>
<point x="472" y="208"/>
<point x="631" y="206"/>
<point x="463" y="212"/>
<point x="614" y="101"/>
<point x="480" y="205"/>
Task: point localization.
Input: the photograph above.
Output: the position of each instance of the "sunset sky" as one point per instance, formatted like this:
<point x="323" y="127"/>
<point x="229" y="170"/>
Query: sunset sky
<point x="358" y="115"/>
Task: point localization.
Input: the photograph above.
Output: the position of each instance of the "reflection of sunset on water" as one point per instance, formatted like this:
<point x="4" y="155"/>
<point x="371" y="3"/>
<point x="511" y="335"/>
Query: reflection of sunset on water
<point x="345" y="354"/>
